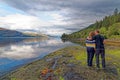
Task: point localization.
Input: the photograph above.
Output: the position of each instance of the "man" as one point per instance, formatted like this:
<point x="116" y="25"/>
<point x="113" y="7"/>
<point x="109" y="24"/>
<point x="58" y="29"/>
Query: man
<point x="100" y="50"/>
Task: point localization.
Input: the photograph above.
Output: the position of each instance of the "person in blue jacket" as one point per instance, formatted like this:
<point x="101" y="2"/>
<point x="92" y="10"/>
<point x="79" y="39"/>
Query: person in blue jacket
<point x="90" y="46"/>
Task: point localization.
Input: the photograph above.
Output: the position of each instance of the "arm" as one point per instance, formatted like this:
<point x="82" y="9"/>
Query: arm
<point x="104" y="41"/>
<point x="89" y="38"/>
<point x="94" y="37"/>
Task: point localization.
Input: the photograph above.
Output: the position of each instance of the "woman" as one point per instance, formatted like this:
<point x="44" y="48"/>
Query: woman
<point x="90" y="46"/>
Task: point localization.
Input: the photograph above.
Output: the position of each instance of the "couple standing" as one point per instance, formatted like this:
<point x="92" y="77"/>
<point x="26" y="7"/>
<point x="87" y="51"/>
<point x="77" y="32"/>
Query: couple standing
<point x="95" y="46"/>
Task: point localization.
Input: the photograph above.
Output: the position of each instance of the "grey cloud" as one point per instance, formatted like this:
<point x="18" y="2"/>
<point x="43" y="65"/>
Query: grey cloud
<point x="76" y="10"/>
<point x="45" y="5"/>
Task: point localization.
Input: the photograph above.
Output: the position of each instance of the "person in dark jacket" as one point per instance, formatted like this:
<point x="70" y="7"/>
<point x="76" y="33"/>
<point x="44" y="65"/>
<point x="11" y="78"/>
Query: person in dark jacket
<point x="99" y="49"/>
<point x="90" y="46"/>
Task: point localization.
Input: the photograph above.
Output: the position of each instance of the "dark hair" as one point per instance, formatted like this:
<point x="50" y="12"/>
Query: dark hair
<point x="97" y="31"/>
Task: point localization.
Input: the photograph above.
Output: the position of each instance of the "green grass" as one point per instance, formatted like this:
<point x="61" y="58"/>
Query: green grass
<point x="73" y="61"/>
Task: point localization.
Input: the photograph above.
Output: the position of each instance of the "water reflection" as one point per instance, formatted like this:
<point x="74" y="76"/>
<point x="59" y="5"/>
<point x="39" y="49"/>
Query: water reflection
<point x="18" y="51"/>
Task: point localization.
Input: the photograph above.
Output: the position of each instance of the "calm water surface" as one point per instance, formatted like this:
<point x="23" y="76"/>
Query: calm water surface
<point x="15" y="52"/>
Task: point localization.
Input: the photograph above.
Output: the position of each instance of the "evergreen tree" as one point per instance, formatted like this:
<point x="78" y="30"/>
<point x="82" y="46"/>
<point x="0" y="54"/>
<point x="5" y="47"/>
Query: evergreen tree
<point x="109" y="26"/>
<point x="116" y="11"/>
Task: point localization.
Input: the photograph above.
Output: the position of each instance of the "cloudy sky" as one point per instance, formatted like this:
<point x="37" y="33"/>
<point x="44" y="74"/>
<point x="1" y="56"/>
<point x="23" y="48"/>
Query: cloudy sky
<point x="54" y="17"/>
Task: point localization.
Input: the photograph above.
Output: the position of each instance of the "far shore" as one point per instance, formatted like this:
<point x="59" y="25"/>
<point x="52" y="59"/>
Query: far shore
<point x="113" y="42"/>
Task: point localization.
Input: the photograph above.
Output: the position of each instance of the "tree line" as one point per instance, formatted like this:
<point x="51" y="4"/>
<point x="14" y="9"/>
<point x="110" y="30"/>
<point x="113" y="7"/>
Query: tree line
<point x="109" y="27"/>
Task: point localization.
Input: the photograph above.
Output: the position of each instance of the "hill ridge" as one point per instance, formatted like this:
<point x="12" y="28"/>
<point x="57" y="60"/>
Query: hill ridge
<point x="109" y="27"/>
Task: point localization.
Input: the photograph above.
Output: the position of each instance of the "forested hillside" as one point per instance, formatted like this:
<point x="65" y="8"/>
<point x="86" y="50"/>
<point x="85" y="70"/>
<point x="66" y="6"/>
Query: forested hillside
<point x="109" y="26"/>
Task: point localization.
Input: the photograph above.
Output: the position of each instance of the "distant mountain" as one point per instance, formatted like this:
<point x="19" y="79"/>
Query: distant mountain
<point x="32" y="32"/>
<point x="13" y="33"/>
<point x="27" y="30"/>
<point x="109" y="27"/>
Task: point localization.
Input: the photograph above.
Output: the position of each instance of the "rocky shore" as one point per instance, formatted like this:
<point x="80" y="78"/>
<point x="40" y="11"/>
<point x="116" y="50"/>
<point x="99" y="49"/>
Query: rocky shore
<point x="68" y="64"/>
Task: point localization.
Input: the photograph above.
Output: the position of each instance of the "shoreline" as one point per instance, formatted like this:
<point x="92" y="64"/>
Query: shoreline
<point x="110" y="42"/>
<point x="64" y="64"/>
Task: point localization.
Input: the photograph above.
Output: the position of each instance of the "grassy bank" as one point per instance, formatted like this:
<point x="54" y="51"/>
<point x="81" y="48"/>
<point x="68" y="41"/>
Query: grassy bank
<point x="69" y="64"/>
